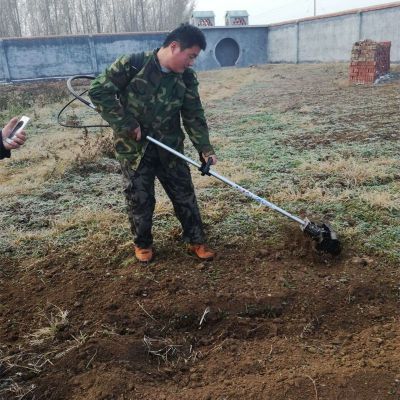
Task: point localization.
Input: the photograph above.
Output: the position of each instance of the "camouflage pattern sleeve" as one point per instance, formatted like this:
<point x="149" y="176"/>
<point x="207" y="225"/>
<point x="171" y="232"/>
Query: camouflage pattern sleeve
<point x="193" y="117"/>
<point x="103" y="93"/>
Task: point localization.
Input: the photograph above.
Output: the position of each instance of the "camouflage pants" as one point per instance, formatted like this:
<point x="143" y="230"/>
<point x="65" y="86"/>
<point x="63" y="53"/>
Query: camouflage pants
<point x="140" y="197"/>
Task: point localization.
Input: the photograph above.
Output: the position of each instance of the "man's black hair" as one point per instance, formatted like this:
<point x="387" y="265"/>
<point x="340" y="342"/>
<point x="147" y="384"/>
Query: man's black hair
<point x="187" y="36"/>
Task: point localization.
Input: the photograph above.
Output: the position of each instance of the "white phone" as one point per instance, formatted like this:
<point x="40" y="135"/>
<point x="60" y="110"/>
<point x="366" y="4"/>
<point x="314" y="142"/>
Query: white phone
<point x="19" y="127"/>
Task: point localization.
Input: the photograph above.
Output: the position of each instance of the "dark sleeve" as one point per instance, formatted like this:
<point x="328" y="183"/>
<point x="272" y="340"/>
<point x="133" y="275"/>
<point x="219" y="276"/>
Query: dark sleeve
<point x="4" y="153"/>
<point x="193" y="117"/>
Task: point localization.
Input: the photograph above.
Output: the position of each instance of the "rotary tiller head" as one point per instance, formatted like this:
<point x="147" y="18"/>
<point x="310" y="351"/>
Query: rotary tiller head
<point x="324" y="236"/>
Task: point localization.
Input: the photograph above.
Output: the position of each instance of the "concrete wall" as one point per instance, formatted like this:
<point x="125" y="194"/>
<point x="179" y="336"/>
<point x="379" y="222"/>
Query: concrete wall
<point x="252" y="43"/>
<point x="383" y="25"/>
<point x="330" y="38"/>
<point x="45" y="57"/>
<point x="320" y="39"/>
<point x="282" y="43"/>
<point x="107" y="48"/>
<point x="57" y="57"/>
<point x="335" y="38"/>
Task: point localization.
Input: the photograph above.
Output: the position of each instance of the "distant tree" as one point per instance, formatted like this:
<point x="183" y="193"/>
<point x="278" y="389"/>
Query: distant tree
<point x="66" y="17"/>
<point x="10" y="23"/>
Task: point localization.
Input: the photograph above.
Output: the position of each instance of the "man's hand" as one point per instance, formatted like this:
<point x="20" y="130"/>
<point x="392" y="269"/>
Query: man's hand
<point x="18" y="140"/>
<point x="137" y="133"/>
<point x="212" y="156"/>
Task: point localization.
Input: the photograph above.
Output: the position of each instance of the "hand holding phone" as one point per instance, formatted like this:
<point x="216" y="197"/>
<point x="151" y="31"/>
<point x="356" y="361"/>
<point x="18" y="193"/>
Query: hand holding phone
<point x="19" y="126"/>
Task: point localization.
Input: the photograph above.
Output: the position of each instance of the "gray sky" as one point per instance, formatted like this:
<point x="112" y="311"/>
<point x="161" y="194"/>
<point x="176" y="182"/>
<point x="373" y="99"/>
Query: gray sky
<point x="269" y="11"/>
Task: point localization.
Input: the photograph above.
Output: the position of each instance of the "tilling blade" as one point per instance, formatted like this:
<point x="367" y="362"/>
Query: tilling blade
<point x="324" y="236"/>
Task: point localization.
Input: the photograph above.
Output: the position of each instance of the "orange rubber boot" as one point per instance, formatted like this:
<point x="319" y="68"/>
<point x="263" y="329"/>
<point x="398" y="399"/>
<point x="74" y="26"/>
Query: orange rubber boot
<point x="202" y="251"/>
<point x="144" y="255"/>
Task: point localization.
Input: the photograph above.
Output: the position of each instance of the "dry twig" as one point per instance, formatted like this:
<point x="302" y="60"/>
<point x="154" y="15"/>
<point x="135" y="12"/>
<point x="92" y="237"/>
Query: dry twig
<point x="92" y="358"/>
<point x="206" y="311"/>
<point x="315" y="386"/>
<point x="147" y="312"/>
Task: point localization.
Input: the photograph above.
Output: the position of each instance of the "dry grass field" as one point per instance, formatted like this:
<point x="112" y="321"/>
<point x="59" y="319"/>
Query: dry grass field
<point x="269" y="318"/>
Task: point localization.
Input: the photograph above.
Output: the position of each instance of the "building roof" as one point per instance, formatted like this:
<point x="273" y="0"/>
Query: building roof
<point x="237" y="13"/>
<point x="203" y="14"/>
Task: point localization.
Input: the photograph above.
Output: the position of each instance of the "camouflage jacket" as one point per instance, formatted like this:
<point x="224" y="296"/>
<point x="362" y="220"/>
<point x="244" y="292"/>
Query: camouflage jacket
<point x="155" y="100"/>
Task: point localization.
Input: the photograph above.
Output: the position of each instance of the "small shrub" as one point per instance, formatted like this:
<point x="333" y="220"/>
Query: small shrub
<point x="93" y="149"/>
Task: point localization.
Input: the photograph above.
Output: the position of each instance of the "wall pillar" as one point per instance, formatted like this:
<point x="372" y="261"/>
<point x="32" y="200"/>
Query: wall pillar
<point x="93" y="57"/>
<point x="297" y="42"/>
<point x="3" y="56"/>
<point x="360" y="14"/>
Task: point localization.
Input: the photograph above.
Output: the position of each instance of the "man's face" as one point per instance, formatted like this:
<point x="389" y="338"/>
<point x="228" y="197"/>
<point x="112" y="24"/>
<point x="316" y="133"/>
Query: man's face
<point x="182" y="59"/>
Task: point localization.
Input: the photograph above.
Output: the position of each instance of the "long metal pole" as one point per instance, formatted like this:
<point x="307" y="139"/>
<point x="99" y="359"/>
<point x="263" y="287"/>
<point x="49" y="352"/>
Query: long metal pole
<point x="189" y="160"/>
<point x="230" y="183"/>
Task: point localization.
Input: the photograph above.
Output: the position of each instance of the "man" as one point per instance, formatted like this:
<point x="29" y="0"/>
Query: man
<point x="7" y="145"/>
<point x="148" y="94"/>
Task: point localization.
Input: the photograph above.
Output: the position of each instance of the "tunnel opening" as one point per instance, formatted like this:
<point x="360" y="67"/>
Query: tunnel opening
<point x="227" y="52"/>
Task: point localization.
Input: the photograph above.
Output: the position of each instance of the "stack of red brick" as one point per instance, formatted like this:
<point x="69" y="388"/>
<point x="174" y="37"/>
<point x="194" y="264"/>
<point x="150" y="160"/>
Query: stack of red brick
<point x="369" y="61"/>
